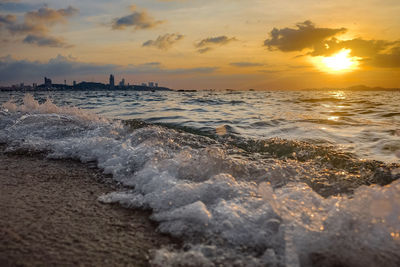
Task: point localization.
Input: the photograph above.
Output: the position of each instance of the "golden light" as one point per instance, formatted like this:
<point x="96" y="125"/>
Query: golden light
<point x="338" y="63"/>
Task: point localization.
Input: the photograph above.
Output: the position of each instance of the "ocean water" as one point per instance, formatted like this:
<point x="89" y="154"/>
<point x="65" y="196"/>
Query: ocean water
<point x="283" y="178"/>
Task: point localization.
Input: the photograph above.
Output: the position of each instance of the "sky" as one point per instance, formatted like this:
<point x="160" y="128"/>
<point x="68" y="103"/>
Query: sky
<point x="203" y="44"/>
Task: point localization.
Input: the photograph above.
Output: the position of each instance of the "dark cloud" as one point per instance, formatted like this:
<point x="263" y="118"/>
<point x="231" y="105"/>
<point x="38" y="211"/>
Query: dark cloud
<point x="205" y="44"/>
<point x="220" y="40"/>
<point x="40" y="20"/>
<point x="387" y="60"/>
<point x="358" y="46"/>
<point x="246" y="64"/>
<point x="375" y="53"/>
<point x="323" y="42"/>
<point x="50" y="16"/>
<point x="12" y="70"/>
<point x="204" y="50"/>
<point x="305" y="35"/>
<point x="36" y="25"/>
<point x="45" y="41"/>
<point x="164" y="41"/>
<point x="26" y="28"/>
<point x="138" y="20"/>
<point x="7" y="19"/>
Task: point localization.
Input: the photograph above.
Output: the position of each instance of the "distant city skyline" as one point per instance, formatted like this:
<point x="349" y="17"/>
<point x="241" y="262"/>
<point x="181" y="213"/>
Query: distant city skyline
<point x="193" y="45"/>
<point x="48" y="84"/>
<point x="95" y="85"/>
<point x="111" y="81"/>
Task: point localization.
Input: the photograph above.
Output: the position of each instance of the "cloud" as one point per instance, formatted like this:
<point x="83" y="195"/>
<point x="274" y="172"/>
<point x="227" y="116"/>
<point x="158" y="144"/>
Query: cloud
<point x="204" y="50"/>
<point x="138" y="20"/>
<point x="39" y="21"/>
<point x="44" y="41"/>
<point x="50" y="16"/>
<point x="305" y="35"/>
<point x="358" y="46"/>
<point x="164" y="41"/>
<point x="16" y="70"/>
<point x="324" y="42"/>
<point x="220" y="40"/>
<point x="13" y="70"/>
<point x="7" y="19"/>
<point x="26" y="28"/>
<point x="204" y="45"/>
<point x="36" y="25"/>
<point x="387" y="60"/>
<point x="246" y="64"/>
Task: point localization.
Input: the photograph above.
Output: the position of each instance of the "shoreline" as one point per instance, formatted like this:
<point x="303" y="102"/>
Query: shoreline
<point x="51" y="217"/>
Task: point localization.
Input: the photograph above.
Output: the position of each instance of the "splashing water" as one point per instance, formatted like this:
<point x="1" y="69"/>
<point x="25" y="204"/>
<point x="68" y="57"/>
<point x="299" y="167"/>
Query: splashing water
<point x="232" y="201"/>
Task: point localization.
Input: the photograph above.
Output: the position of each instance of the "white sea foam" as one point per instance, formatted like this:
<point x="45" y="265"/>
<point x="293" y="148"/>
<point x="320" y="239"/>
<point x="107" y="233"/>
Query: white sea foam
<point x="31" y="105"/>
<point x="211" y="200"/>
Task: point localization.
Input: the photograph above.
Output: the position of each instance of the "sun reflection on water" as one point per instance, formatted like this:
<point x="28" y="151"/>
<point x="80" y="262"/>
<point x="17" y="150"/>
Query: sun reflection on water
<point x="333" y="118"/>
<point x="338" y="95"/>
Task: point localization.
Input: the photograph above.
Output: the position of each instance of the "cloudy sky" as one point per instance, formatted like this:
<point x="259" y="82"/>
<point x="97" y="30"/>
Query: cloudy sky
<point x="195" y="44"/>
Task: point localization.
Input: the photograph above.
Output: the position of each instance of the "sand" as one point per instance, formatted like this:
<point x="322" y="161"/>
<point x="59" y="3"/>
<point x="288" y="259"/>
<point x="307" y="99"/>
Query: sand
<point x="50" y="216"/>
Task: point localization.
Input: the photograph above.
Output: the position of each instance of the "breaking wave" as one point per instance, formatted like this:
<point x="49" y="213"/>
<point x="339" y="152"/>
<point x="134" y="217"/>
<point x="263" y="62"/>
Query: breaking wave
<point x="233" y="201"/>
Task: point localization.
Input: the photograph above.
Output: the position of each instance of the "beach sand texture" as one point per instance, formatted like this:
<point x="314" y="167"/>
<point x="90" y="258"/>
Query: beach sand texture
<point x="50" y="216"/>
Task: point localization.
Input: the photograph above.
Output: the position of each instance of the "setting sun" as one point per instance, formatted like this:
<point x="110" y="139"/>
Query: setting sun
<point x="338" y="63"/>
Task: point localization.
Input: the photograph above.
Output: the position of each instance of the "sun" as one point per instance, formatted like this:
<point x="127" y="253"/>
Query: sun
<point x="338" y="63"/>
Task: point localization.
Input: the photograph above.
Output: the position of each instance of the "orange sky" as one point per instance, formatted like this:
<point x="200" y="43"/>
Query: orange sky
<point x="195" y="44"/>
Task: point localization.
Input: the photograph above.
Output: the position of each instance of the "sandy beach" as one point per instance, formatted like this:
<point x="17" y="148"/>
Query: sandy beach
<point x="50" y="216"/>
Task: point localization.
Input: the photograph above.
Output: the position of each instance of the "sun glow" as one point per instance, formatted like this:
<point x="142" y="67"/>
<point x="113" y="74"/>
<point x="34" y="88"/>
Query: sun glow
<point x="338" y="63"/>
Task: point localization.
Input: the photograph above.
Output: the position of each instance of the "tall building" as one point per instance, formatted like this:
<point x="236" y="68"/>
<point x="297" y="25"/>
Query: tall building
<point x="47" y="82"/>
<point x="122" y="82"/>
<point x="112" y="81"/>
<point x="74" y="83"/>
<point x="151" y="84"/>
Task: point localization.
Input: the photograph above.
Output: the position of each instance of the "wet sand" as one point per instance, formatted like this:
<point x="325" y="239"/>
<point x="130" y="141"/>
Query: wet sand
<point x="50" y="216"/>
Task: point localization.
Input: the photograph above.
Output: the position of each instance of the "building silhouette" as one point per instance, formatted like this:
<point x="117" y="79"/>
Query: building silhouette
<point x="47" y="82"/>
<point x="122" y="82"/>
<point x="112" y="84"/>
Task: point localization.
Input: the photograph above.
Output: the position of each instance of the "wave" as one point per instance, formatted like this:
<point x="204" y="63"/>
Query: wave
<point x="322" y="99"/>
<point x="213" y="101"/>
<point x="233" y="201"/>
<point x="392" y="114"/>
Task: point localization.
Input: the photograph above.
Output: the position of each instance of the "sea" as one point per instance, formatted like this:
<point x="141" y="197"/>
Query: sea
<point x="242" y="178"/>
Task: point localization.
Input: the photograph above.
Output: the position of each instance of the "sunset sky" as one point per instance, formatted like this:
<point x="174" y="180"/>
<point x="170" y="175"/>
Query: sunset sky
<point x="200" y="44"/>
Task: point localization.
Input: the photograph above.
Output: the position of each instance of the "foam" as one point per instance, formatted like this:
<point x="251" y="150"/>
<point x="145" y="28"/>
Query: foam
<point x="223" y="208"/>
<point x="30" y="105"/>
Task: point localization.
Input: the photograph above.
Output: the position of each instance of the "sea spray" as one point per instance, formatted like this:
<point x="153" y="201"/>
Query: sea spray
<point x="227" y="204"/>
